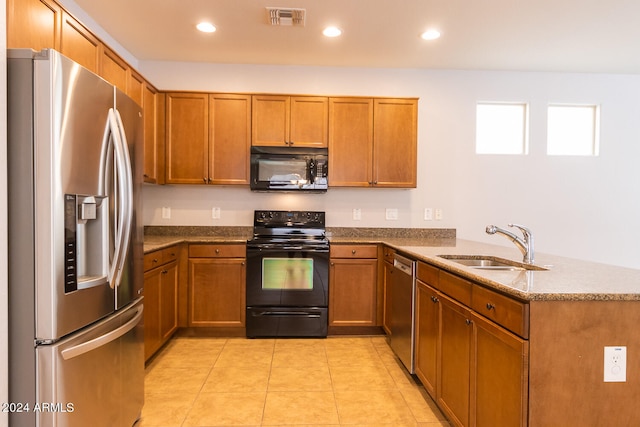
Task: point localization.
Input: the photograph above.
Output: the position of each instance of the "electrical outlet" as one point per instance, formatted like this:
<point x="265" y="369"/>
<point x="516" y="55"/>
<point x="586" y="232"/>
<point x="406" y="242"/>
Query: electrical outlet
<point x="166" y="213"/>
<point x="391" y="214"/>
<point x="215" y="213"/>
<point x="428" y="214"/>
<point x="438" y="214"/>
<point x="357" y="214"/>
<point x="615" y="364"/>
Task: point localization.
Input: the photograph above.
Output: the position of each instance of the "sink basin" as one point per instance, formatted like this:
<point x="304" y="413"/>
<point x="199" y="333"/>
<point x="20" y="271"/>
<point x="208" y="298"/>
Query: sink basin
<point x="484" y="262"/>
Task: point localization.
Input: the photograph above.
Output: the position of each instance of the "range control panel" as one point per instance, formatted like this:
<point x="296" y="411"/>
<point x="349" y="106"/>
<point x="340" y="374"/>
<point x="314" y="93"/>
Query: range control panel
<point x="307" y="219"/>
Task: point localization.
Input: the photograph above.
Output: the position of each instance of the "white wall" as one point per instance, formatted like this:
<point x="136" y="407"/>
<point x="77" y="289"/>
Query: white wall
<point x="577" y="207"/>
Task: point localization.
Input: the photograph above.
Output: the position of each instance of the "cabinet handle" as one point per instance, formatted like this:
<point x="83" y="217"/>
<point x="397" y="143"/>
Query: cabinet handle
<point x="242" y="263"/>
<point x="164" y="271"/>
<point x="204" y="180"/>
<point x="435" y="299"/>
<point x="155" y="260"/>
<point x="490" y="306"/>
<point x="469" y="321"/>
<point x="332" y="264"/>
<point x="217" y="251"/>
<point x="353" y="251"/>
<point x="209" y="180"/>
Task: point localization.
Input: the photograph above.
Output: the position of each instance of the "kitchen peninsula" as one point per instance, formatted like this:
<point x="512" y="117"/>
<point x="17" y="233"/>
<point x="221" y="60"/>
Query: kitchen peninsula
<point x="560" y="320"/>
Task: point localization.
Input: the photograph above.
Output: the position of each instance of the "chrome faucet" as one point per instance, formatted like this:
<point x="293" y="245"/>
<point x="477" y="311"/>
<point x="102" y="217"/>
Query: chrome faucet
<point x="525" y="244"/>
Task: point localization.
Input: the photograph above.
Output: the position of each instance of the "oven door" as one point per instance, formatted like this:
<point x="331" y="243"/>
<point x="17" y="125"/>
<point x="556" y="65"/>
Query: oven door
<point x="287" y="276"/>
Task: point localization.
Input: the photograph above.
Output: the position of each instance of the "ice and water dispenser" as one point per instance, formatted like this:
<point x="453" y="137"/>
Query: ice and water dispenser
<point x="86" y="241"/>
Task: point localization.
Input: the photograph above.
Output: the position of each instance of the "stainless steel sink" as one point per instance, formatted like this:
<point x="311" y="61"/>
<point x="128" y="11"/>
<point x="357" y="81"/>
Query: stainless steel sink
<point x="484" y="262"/>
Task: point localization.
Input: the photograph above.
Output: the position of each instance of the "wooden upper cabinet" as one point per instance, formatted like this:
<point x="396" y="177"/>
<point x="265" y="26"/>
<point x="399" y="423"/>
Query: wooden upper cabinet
<point x="350" y="142"/>
<point x="78" y="44"/>
<point x="33" y="24"/>
<point x="187" y="138"/>
<point x="309" y="121"/>
<point x="153" y="107"/>
<point x="135" y="86"/>
<point x="279" y="120"/>
<point x="395" y="142"/>
<point x="229" y="138"/>
<point x="114" y="70"/>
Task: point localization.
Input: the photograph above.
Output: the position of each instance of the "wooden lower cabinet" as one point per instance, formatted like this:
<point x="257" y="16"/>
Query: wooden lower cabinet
<point x="353" y="285"/>
<point x="501" y="387"/>
<point x="217" y="296"/>
<point x="475" y="369"/>
<point x="454" y="365"/>
<point x="387" y="267"/>
<point x="160" y="299"/>
<point x="428" y="323"/>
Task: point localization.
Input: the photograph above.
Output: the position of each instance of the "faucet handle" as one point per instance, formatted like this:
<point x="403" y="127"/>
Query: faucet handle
<point x="525" y="231"/>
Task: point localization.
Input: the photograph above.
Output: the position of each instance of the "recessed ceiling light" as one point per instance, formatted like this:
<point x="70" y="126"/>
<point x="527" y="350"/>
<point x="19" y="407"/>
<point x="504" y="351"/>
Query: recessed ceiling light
<point x="431" y="34"/>
<point x="332" y="31"/>
<point x="206" y="27"/>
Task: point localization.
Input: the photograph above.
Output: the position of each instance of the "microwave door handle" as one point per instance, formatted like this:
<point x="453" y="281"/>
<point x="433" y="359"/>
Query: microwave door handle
<point x="311" y="167"/>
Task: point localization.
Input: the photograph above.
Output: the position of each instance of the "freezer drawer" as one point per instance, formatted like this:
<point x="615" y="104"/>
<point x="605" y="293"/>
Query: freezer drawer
<point x="95" y="377"/>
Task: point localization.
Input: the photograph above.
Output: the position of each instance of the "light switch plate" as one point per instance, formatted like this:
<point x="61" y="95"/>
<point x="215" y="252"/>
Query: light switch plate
<point x="391" y="214"/>
<point x="166" y="213"/>
<point x="215" y="213"/>
<point x="428" y="214"/>
<point x="357" y="214"/>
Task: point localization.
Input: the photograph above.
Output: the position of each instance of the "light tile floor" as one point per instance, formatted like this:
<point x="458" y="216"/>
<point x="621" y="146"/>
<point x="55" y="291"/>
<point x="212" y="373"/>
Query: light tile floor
<point x="204" y="382"/>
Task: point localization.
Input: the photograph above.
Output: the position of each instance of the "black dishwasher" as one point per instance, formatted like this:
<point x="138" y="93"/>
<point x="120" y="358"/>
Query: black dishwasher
<point x="402" y="310"/>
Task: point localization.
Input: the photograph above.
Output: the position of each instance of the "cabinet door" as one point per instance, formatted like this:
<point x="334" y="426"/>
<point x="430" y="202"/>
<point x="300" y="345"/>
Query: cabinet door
<point x="309" y="121"/>
<point x="187" y="138"/>
<point x="77" y="43"/>
<point x="395" y="142"/>
<point x="387" y="303"/>
<point x="270" y="116"/>
<point x="113" y="69"/>
<point x="153" y="104"/>
<point x="352" y="292"/>
<point x="501" y="386"/>
<point x="168" y="300"/>
<point x="351" y="142"/>
<point x="229" y="138"/>
<point x="33" y="24"/>
<point x="152" y="338"/>
<point x="135" y="86"/>
<point x="217" y="292"/>
<point x="454" y="364"/>
<point x="427" y="329"/>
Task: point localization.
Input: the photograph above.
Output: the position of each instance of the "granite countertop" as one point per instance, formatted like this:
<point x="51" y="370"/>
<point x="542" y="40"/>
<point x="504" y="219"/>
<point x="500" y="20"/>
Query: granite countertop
<point x="566" y="279"/>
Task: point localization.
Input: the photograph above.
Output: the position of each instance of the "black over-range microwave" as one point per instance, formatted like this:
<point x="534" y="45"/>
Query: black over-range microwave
<point x="289" y="169"/>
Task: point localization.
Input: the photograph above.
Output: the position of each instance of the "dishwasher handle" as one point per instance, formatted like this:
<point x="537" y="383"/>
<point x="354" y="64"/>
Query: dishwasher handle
<point x="403" y="264"/>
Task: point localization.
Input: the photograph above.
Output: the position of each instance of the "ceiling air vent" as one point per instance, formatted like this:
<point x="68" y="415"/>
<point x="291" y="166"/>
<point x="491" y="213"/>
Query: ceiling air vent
<point x="288" y="16"/>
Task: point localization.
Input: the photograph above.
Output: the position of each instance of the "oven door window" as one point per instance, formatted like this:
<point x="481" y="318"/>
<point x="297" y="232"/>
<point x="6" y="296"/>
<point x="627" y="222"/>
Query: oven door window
<point x="287" y="274"/>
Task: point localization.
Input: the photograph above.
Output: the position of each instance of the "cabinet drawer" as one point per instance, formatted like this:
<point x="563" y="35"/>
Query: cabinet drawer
<point x="454" y="286"/>
<point x="354" y="251"/>
<point x="217" y="251"/>
<point x="428" y="274"/>
<point x="160" y="257"/>
<point x="505" y="311"/>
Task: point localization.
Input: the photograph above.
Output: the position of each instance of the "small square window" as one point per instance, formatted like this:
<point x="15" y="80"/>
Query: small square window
<point x="572" y="130"/>
<point x="501" y="128"/>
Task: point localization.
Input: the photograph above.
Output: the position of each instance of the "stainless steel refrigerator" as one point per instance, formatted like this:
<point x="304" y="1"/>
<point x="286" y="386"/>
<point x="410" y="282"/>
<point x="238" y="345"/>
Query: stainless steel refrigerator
<point x="75" y="247"/>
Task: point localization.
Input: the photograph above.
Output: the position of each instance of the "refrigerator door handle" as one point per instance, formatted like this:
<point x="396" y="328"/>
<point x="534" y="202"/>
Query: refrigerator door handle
<point x="90" y="345"/>
<point x="123" y="198"/>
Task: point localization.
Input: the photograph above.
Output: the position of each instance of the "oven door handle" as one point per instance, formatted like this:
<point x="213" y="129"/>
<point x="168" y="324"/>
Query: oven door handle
<point x="286" y="313"/>
<point x="285" y="248"/>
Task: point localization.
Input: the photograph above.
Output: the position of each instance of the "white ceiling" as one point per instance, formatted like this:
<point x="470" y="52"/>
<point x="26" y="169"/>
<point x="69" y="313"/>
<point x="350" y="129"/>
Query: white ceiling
<point x="533" y="35"/>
